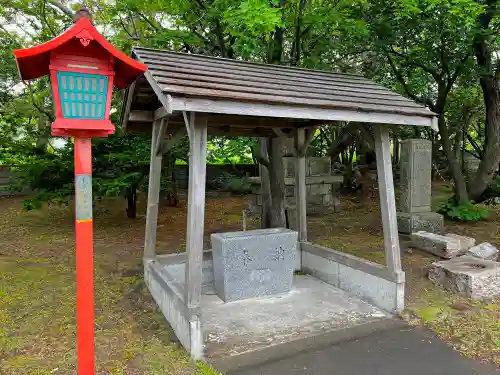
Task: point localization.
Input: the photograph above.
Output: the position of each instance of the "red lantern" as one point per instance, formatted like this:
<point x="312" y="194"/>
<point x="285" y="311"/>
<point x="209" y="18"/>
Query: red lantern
<point x="83" y="68"/>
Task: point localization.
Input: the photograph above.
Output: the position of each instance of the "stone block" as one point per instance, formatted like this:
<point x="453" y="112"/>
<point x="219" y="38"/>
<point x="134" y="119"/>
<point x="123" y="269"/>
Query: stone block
<point x="425" y="221"/>
<point x="484" y="250"/>
<point x="415" y="180"/>
<point x="321" y="189"/>
<point x="465" y="242"/>
<point x="253" y="263"/>
<point x="469" y="276"/>
<point x="315" y="200"/>
<point x="319" y="166"/>
<point x="442" y="246"/>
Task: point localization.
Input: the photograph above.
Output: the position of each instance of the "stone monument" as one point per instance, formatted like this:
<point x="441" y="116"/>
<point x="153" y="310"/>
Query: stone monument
<point x="415" y="184"/>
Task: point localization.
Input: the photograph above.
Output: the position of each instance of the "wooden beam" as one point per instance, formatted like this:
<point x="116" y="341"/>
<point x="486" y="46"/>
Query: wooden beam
<point x="387" y="198"/>
<point x="196" y="208"/>
<point x="164" y="111"/>
<point x="128" y="105"/>
<point x="141" y="116"/>
<point x="161" y="135"/>
<point x="165" y="100"/>
<point x="277" y="110"/>
<point x="187" y="123"/>
<point x="153" y="194"/>
<point x="300" y="188"/>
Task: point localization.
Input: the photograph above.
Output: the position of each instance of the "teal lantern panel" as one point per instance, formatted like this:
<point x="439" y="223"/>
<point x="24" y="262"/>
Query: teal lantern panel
<point x="83" y="96"/>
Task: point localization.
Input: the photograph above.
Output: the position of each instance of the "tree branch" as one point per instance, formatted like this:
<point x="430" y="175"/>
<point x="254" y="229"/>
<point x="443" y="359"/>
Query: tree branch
<point x="125" y="28"/>
<point x="62" y="8"/>
<point x="425" y="68"/>
<point x="453" y="78"/>
<point x="474" y="145"/>
<point x="49" y="115"/>
<point x="155" y="27"/>
<point x="401" y="79"/>
<point x="44" y="16"/>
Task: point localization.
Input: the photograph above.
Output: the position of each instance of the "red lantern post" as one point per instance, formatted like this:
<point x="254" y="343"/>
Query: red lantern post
<point x="83" y="68"/>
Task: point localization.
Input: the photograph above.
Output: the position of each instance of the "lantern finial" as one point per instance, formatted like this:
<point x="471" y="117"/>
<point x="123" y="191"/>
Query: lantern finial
<point x="83" y="13"/>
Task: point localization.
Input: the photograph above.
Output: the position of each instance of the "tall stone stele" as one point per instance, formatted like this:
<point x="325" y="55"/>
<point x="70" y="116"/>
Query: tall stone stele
<point x="415" y="203"/>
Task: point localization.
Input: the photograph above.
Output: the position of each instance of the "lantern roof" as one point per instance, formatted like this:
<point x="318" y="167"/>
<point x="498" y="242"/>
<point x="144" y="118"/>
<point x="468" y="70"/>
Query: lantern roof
<point x="34" y="62"/>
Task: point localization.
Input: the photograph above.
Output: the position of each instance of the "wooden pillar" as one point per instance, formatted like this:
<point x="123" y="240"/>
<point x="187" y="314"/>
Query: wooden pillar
<point x="300" y="184"/>
<point x="154" y="187"/>
<point x="387" y="198"/>
<point x="197" y="131"/>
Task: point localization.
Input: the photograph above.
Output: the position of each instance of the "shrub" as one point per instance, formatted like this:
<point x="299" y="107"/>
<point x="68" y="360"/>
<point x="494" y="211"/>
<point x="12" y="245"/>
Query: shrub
<point x="239" y="186"/>
<point x="463" y="212"/>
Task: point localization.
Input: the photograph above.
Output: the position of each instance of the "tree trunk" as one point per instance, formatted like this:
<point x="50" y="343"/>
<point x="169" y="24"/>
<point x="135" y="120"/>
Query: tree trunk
<point x="265" y="189"/>
<point x="132" y="202"/>
<point x="458" y="147"/>
<point x="277" y="183"/>
<point x="490" y="85"/>
<point x="172" y="198"/>
<point x="454" y="167"/>
<point x="491" y="156"/>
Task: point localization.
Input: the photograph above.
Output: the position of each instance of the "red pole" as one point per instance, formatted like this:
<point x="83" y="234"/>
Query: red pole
<point x="84" y="256"/>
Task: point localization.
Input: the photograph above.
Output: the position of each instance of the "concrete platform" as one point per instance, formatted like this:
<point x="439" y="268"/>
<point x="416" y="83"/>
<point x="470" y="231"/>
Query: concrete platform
<point x="255" y="330"/>
<point x="397" y="350"/>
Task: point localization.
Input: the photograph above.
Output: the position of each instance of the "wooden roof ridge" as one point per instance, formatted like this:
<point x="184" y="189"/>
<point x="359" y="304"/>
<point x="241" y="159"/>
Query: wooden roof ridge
<point x="247" y="62"/>
<point x="186" y="82"/>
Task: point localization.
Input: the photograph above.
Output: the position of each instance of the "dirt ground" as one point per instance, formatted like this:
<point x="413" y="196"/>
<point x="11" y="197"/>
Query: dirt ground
<point x="37" y="288"/>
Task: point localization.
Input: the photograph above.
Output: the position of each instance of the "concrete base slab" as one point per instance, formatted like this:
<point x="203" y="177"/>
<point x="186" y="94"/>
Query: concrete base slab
<point x="248" y="332"/>
<point x="473" y="277"/>
<point x="413" y="222"/>
<point x="254" y="330"/>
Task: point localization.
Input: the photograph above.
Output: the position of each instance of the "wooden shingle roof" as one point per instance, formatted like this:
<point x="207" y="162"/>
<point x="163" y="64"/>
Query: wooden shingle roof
<point x="216" y="85"/>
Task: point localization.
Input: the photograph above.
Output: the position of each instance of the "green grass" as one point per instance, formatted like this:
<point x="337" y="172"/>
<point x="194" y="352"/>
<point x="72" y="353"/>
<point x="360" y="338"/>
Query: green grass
<point x="471" y="327"/>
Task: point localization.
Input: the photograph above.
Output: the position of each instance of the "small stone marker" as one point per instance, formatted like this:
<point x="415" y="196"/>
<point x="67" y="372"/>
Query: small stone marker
<point x="442" y="246"/>
<point x="484" y="250"/>
<point x="469" y="276"/>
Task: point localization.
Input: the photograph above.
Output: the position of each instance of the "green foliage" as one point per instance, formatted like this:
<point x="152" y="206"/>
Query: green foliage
<point x="120" y="163"/>
<point x="231" y="183"/>
<point x="463" y="212"/>
<point x="239" y="186"/>
<point x="230" y="150"/>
